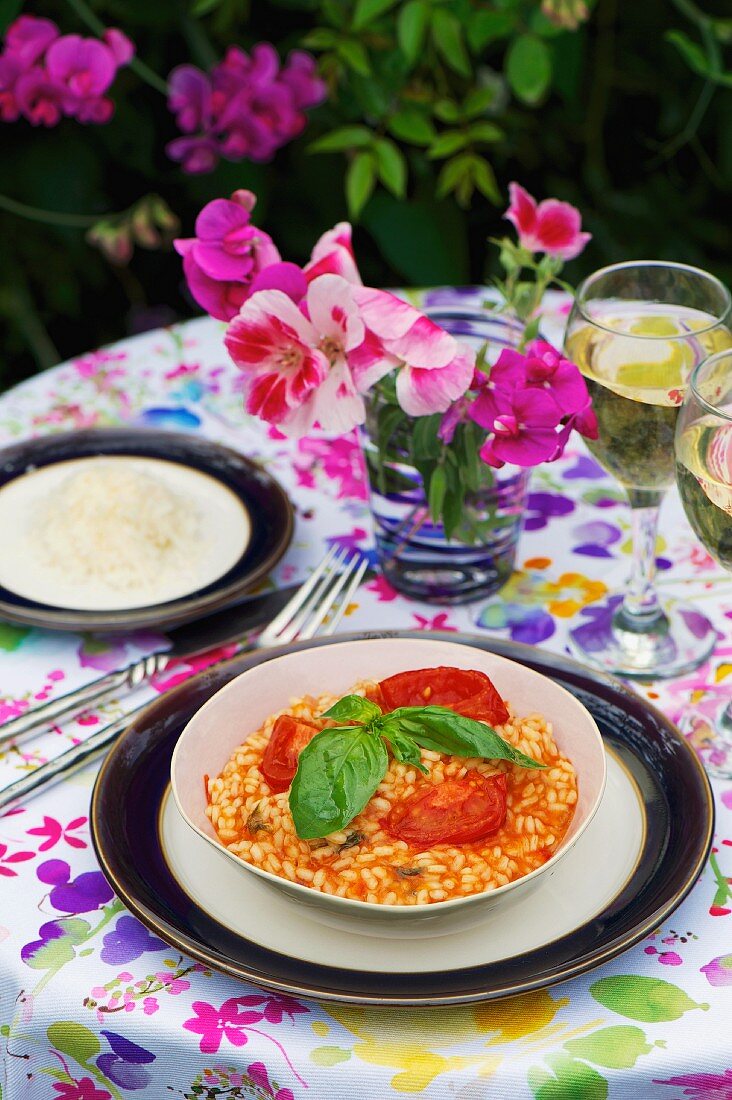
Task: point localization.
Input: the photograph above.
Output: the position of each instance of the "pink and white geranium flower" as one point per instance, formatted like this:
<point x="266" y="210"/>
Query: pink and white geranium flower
<point x="433" y="368"/>
<point x="550" y="226"/>
<point x="297" y="368"/>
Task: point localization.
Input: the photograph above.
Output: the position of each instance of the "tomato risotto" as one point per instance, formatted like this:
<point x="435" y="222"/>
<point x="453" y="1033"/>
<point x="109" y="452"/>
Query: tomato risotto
<point x="461" y="826"/>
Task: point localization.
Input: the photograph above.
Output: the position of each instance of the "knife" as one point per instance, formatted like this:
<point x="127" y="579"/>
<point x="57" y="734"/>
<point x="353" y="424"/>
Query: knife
<point x="230" y="626"/>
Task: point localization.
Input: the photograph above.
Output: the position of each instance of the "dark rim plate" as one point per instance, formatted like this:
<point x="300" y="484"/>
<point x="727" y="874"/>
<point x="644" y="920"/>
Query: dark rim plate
<point x="264" y="497"/>
<point x="673" y="786"/>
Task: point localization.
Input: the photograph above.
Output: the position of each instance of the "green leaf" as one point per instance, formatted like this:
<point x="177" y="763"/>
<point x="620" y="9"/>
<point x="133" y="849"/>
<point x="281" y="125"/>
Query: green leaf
<point x="447" y="143"/>
<point x="648" y="999"/>
<point x="437" y="490"/>
<point x="411" y="28"/>
<point x="74" y="1039"/>
<point x="452" y="513"/>
<point x="355" y="56"/>
<point x="486" y="132"/>
<point x="409" y="124"/>
<point x="443" y="730"/>
<point x="486" y="26"/>
<point x="353" y="708"/>
<point x="329" y="1056"/>
<point x="478" y="101"/>
<point x="426" y="443"/>
<point x="467" y="446"/>
<point x="391" y="166"/>
<point x="11" y="637"/>
<point x="345" y="137"/>
<point x="360" y="182"/>
<point x="691" y="51"/>
<point x="369" y="10"/>
<point x="337" y="773"/>
<point x="617" y="1047"/>
<point x="528" y="68"/>
<point x="446" y="110"/>
<point x="58" y="951"/>
<point x="406" y="750"/>
<point x="453" y="172"/>
<point x="322" y="38"/>
<point x="390" y="419"/>
<point x="484" y="179"/>
<point x="574" y="1080"/>
<point x="447" y="35"/>
<point x="204" y="7"/>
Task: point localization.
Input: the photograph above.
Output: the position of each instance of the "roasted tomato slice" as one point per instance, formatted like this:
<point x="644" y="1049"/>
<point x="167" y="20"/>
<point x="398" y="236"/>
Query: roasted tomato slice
<point x="287" y="740"/>
<point x="455" y="811"/>
<point x="469" y="693"/>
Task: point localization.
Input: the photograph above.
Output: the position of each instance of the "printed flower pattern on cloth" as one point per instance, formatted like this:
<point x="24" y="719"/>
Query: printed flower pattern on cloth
<point x="99" y="1008"/>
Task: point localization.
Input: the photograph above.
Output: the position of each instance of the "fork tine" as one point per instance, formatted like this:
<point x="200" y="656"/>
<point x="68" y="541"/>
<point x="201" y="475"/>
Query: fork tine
<point x="280" y="621"/>
<point x="346" y="598"/>
<point x="292" y="629"/>
<point x="320" y="609"/>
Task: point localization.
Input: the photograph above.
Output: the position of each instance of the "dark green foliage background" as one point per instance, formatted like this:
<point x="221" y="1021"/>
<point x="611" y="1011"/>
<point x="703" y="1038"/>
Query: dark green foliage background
<point x="611" y="134"/>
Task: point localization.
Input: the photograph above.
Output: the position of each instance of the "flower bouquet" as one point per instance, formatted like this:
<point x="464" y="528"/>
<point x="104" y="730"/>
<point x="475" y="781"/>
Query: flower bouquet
<point x="453" y="408"/>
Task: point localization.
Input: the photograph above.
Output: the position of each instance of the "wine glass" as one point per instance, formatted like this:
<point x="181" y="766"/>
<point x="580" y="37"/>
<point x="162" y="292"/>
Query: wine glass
<point x="704" y="478"/>
<point x="636" y="331"/>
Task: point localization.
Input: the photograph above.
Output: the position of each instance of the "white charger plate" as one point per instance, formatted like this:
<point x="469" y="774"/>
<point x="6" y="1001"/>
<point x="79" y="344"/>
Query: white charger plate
<point x="637" y="860"/>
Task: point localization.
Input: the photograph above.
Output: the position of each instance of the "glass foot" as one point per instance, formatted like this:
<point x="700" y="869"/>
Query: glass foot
<point x="675" y="643"/>
<point x="707" y="726"/>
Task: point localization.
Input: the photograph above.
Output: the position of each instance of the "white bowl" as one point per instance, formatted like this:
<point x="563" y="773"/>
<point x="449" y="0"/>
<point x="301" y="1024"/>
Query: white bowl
<point x="241" y="707"/>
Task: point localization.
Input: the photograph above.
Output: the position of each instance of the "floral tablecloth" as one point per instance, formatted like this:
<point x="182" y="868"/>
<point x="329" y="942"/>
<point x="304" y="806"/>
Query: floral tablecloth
<point x="92" y="1006"/>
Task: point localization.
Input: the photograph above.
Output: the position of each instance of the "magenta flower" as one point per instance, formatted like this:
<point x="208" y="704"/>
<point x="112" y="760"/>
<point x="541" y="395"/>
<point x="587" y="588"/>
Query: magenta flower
<point x="222" y="261"/>
<point x="28" y="38"/>
<point x="39" y="99"/>
<point x="550" y="226"/>
<point x="547" y="369"/>
<point x="44" y="75"/>
<point x="521" y="426"/>
<point x="83" y="1089"/>
<point x="246" y="108"/>
<point x="703" y="1086"/>
<point x="216" y="1024"/>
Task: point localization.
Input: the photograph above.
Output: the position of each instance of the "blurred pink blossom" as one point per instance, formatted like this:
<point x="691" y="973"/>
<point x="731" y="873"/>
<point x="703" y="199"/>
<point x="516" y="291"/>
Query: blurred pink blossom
<point x="45" y="76"/>
<point x="244" y="109"/>
<point x="221" y="263"/>
<point x="550" y="226"/>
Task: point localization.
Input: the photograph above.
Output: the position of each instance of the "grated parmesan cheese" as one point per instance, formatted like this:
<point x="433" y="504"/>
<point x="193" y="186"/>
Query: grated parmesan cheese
<point x="119" y="525"/>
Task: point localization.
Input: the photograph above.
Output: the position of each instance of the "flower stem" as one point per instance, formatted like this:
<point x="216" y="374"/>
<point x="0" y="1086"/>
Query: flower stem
<point x="145" y="73"/>
<point x="48" y="217"/>
<point x="282" y="1051"/>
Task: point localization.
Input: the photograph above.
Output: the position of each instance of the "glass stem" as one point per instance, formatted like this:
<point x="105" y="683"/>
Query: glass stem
<point x="641" y="606"/>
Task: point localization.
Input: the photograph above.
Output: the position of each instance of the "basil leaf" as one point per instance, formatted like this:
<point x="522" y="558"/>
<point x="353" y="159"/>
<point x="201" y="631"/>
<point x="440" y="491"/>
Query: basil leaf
<point x="405" y="749"/>
<point x="337" y="773"/>
<point x="443" y="730"/>
<point x="353" y="708"/>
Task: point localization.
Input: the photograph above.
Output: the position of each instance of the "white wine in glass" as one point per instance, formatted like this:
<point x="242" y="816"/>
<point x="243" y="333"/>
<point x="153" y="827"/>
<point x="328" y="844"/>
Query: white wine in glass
<point x="704" y="478"/>
<point x="637" y="331"/>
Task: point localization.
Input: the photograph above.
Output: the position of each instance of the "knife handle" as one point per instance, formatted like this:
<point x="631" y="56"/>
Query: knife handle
<point x="79" y="700"/>
<point x="67" y="762"/>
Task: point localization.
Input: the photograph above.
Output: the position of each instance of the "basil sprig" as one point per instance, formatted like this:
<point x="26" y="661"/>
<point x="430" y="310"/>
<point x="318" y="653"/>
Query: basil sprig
<point x="339" y="770"/>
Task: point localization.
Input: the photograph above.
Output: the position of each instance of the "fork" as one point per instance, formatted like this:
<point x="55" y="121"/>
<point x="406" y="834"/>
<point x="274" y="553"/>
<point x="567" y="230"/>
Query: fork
<point x="316" y="608"/>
